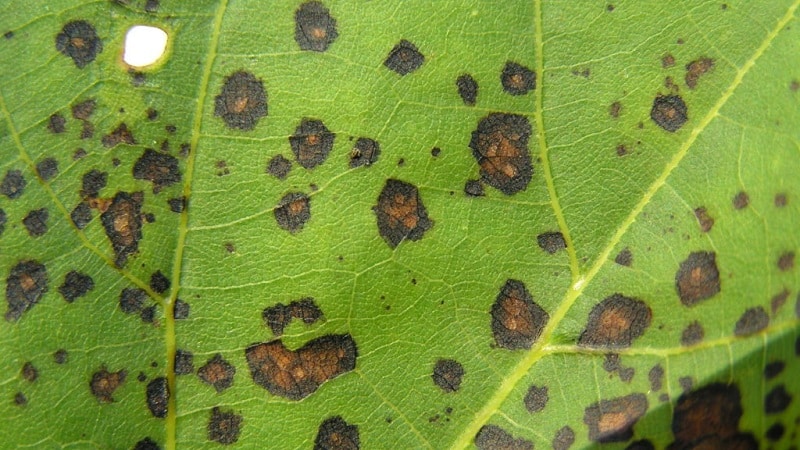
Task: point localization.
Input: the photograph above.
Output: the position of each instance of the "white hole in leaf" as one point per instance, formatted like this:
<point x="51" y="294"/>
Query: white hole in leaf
<point x="144" y="45"/>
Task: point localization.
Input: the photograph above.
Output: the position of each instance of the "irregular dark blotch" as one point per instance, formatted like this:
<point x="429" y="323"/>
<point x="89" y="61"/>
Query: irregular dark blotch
<point x="152" y="114"/>
<point x="364" y="153"/>
<point x="146" y="444"/>
<point x="87" y="130"/>
<point x="148" y="315"/>
<point x="84" y="109"/>
<point x="151" y="6"/>
<point x="492" y="437"/>
<point x="29" y="372"/>
<point x="669" y="112"/>
<point x="656" y="377"/>
<point x="667" y="61"/>
<point x="697" y="278"/>
<point x="93" y="182"/>
<point x="564" y="438"/>
<point x="517" y="322"/>
<point x="296" y="374"/>
<point x="123" y="224"/>
<point x="293" y="211"/>
<point x="777" y="400"/>
<point x="642" y="444"/>
<point x="224" y="426"/>
<point x="159" y="168"/>
<point x="8" y="34"/>
<point x="120" y="135"/>
<point x="775" y="432"/>
<point x="780" y="200"/>
<point x="741" y="200"/>
<point x="184" y="362"/>
<point x="104" y="383"/>
<point x="626" y="374"/>
<point x="177" y="205"/>
<point x="36" y="222"/>
<point x="400" y="213"/>
<point x="60" y="356"/>
<point x="171" y="129"/>
<point x="20" y="399"/>
<point x="218" y="373"/>
<point x="536" y="398"/>
<point x="613" y="420"/>
<point x="81" y="215"/>
<point x="778" y="300"/>
<point x="157" y="393"/>
<point x="159" y="282"/>
<point x="47" y="168"/>
<point x="708" y="415"/>
<point x="13" y="184"/>
<point x="311" y="143"/>
<point x="79" y="154"/>
<point x="696" y="69"/>
<point x="615" y="109"/>
<point x="624" y="258"/>
<point x="467" y="89"/>
<point x="703" y="219"/>
<point x="76" y="285"/>
<point x="79" y="41"/>
<point x="278" y="317"/>
<point x="686" y="383"/>
<point x="611" y="362"/>
<point x="336" y="434"/>
<point x="517" y="79"/>
<point x="500" y="145"/>
<point x="786" y="261"/>
<point x="26" y="283"/>
<point x="181" y="310"/>
<point x="474" y="188"/>
<point x="314" y="28"/>
<point x="131" y="300"/>
<point x="616" y="322"/>
<point x="692" y="334"/>
<point x="57" y="123"/>
<point x="752" y="321"/>
<point x="279" y="167"/>
<point x="242" y="101"/>
<point x="448" y="374"/>
<point x="435" y="152"/>
<point x="551" y="242"/>
<point x="404" y="58"/>
<point x="3" y="219"/>
<point x="773" y="369"/>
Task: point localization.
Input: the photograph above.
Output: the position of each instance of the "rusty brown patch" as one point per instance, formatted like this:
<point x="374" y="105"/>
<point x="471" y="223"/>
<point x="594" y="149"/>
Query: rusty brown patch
<point x="703" y="219"/>
<point x="123" y="224"/>
<point x="616" y="322"/>
<point x="311" y="143"/>
<point x="697" y="278"/>
<point x="400" y="213"/>
<point x="517" y="322"/>
<point x="336" y="434"/>
<point x="613" y="420"/>
<point x="696" y="69"/>
<point x="104" y="383"/>
<point x="293" y="211"/>
<point x="218" y="373"/>
<point x="242" y="101"/>
<point x="120" y="135"/>
<point x="159" y="168"/>
<point x="500" y="146"/>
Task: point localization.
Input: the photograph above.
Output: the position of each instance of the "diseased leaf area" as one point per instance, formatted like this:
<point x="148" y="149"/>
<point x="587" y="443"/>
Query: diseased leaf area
<point x="343" y="225"/>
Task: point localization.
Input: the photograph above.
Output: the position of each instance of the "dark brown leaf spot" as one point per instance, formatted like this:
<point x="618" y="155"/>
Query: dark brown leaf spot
<point x="26" y="283"/>
<point x="692" y="334"/>
<point x="20" y="399"/>
<point x="104" y="383"/>
<point x="697" y="278"/>
<point x="435" y="152"/>
<point x="181" y="310"/>
<point x="613" y="420"/>
<point x="36" y="222"/>
<point x="400" y="213"/>
<point x="184" y="362"/>
<point x="536" y="398"/>
<point x="786" y="261"/>
<point x="131" y="300"/>
<point x="669" y="112"/>
<point x="84" y="109"/>
<point x="777" y="400"/>
<point x="242" y="101"/>
<point x="404" y="58"/>
<point x="778" y="300"/>
<point x="551" y="241"/>
<point x="159" y="168"/>
<point x="177" y="205"/>
<point x="448" y="374"/>
<point x="703" y="219"/>
<point x="81" y="215"/>
<point x="696" y="69"/>
<point x="157" y="393"/>
<point x="93" y="182"/>
<point x="314" y="28"/>
<point x="279" y="167"/>
<point x="120" y="135"/>
<point x="492" y="437"/>
<point x="29" y="372"/>
<point x="517" y="322"/>
<point x="218" y="373"/>
<point x="709" y="417"/>
<point x="667" y="61"/>
<point x="336" y="434"/>
<point x="624" y="258"/>
<point x="47" y="168"/>
<point x="293" y="211"/>
<point x="148" y="315"/>
<point x="76" y="285"/>
<point x="564" y="438"/>
<point x="775" y="432"/>
<point x="364" y="153"/>
<point x="780" y="200"/>
<point x="500" y="145"/>
<point x="752" y="321"/>
<point x="773" y="369"/>
<point x="278" y="317"/>
<point x="123" y="224"/>
<point x="656" y="377"/>
<point x="3" y="220"/>
<point x="151" y="6"/>
<point x="311" y="143"/>
<point x="57" y="123"/>
<point x="13" y="184"/>
<point x="517" y="79"/>
<point x="224" y="426"/>
<point x="741" y="200"/>
<point x="467" y="89"/>
<point x="296" y="374"/>
<point x="616" y="322"/>
<point x="146" y="444"/>
<point x="615" y="109"/>
<point x="474" y="188"/>
<point x="60" y="356"/>
<point x="79" y="41"/>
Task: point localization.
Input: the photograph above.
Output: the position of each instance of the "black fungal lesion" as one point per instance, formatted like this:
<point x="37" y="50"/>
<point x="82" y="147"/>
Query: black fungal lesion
<point x="242" y="101"/>
<point x="492" y="437"/>
<point x="279" y="316"/>
<point x="517" y="321"/>
<point x="26" y="284"/>
<point x="13" y="184"/>
<point x="293" y="211"/>
<point x="315" y="28"/>
<point x="184" y="362"/>
<point x="47" y="168"/>
<point x="119" y="135"/>
<point x="131" y="300"/>
<point x="551" y="241"/>
<point x="335" y="433"/>
<point x="697" y="278"/>
<point x="400" y="213"/>
<point x="224" y="426"/>
<point x="474" y="188"/>
<point x="448" y="375"/>
<point x="467" y="89"/>
<point x="146" y="444"/>
<point x="157" y="397"/>
<point x="517" y="79"/>
<point x="500" y="146"/>
<point x="709" y="418"/>
<point x="669" y="112"/>
<point x="92" y="183"/>
<point x="279" y="167"/>
<point x="404" y="58"/>
<point x="311" y="142"/>
<point x="536" y="398"/>
<point x="752" y="321"/>
<point x="365" y="152"/>
<point x="35" y="222"/>
<point x="123" y="225"/>
<point x="79" y="41"/>
<point x="76" y="284"/>
<point x="162" y="169"/>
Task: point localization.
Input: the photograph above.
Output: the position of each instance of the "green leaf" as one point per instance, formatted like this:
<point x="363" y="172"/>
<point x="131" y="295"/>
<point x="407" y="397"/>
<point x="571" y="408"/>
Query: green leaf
<point x="596" y="246"/>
